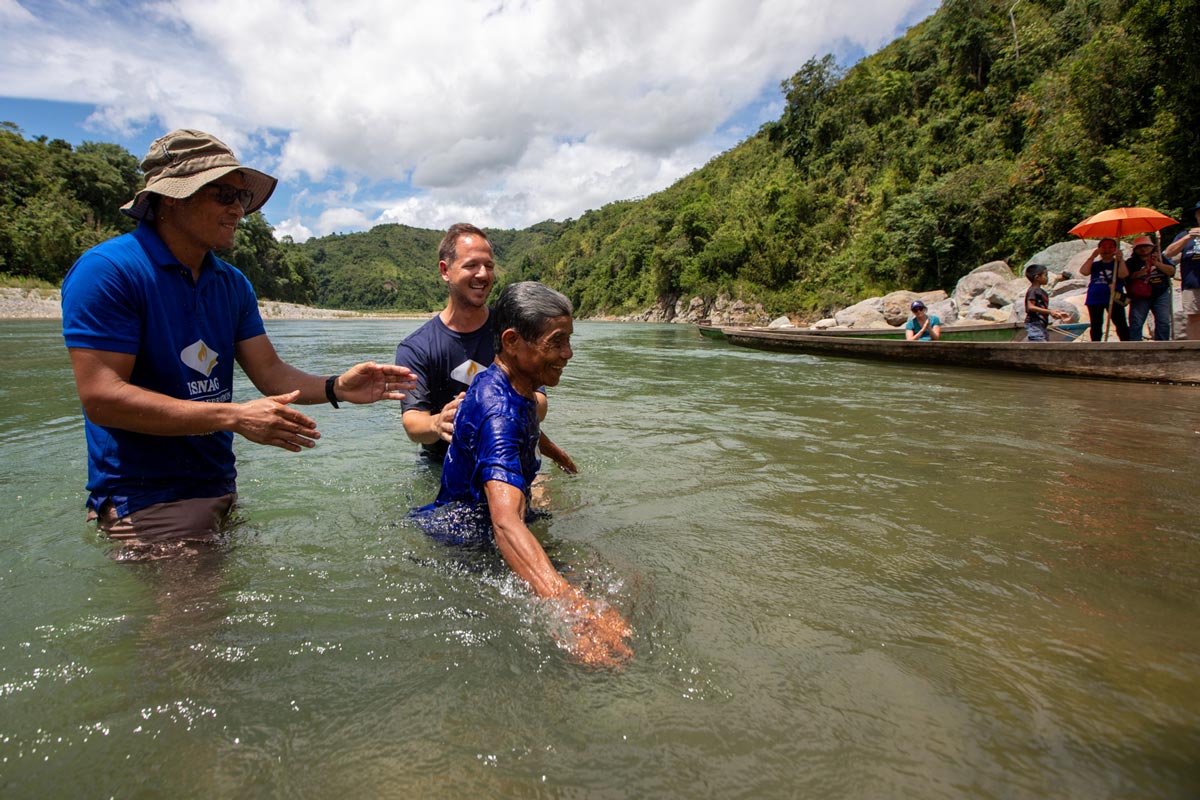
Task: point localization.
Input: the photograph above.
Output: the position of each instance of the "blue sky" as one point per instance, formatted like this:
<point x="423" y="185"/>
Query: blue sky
<point x="428" y="112"/>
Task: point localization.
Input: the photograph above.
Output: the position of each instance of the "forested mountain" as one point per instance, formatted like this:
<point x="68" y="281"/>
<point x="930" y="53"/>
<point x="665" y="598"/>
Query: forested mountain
<point x="56" y="201"/>
<point x="976" y="136"/>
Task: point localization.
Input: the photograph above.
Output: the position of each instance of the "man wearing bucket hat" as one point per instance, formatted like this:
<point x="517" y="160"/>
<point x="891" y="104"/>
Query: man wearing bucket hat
<point x="153" y="322"/>
<point x="1187" y="248"/>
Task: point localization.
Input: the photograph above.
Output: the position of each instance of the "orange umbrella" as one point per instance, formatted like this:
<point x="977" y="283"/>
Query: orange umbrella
<point x="1115" y="223"/>
<point x="1118" y="222"/>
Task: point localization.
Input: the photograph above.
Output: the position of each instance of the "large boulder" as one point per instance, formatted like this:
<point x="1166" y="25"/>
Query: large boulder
<point x="1007" y="293"/>
<point x="824" y="324"/>
<point x="692" y="312"/>
<point x="781" y="322"/>
<point x="977" y="282"/>
<point x="1000" y="268"/>
<point x="1058" y="258"/>
<point x="866" y="314"/>
<point x="944" y="309"/>
<point x="1059" y="304"/>
<point x="896" y="307"/>
<point x="1068" y="286"/>
<point x="983" y="310"/>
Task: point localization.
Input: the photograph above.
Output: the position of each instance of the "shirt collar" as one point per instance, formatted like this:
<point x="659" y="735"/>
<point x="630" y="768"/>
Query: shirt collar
<point x="161" y="255"/>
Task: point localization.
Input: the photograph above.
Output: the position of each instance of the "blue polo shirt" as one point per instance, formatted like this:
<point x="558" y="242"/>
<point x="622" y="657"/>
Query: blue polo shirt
<point x="131" y="295"/>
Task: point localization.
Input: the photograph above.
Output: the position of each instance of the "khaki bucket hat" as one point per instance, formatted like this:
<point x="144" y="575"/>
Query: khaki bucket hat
<point x="184" y="161"/>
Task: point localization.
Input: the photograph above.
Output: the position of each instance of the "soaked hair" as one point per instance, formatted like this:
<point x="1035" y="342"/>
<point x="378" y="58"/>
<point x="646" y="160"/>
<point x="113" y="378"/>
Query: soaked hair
<point x="448" y="249"/>
<point x="527" y="307"/>
<point x="1033" y="270"/>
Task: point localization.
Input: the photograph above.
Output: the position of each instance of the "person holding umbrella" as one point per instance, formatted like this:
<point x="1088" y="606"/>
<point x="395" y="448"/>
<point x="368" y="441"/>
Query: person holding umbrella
<point x="1108" y="271"/>
<point x="1187" y="248"/>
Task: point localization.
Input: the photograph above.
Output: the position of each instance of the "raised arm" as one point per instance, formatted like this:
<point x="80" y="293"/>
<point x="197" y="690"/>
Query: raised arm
<point x="366" y="382"/>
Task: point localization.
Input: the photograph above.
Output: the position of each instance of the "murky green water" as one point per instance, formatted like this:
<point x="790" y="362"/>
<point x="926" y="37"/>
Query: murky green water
<point x="847" y="579"/>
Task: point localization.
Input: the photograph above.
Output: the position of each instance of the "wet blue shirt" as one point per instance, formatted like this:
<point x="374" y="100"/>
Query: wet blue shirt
<point x="495" y="439"/>
<point x="131" y="295"/>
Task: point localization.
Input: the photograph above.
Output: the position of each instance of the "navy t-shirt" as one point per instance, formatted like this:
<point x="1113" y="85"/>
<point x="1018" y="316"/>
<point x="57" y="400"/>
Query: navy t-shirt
<point x="445" y="361"/>
<point x="1102" y="275"/>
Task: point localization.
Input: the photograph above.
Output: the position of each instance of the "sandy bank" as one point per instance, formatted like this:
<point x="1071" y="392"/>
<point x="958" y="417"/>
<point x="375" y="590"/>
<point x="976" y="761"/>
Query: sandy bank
<point x="45" y="304"/>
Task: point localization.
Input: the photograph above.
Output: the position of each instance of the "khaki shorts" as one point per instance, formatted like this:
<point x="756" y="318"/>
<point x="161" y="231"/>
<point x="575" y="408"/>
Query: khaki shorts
<point x="154" y="531"/>
<point x="1191" y="301"/>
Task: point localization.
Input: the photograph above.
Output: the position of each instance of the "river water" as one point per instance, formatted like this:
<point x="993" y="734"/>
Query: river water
<point x="846" y="580"/>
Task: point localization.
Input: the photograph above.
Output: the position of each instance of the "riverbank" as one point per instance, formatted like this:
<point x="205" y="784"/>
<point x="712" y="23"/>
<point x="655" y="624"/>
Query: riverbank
<point x="46" y="304"/>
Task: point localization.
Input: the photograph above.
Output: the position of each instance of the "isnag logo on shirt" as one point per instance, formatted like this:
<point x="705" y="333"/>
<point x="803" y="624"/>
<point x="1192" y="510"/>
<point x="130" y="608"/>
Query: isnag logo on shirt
<point x="199" y="357"/>
<point x="466" y="371"/>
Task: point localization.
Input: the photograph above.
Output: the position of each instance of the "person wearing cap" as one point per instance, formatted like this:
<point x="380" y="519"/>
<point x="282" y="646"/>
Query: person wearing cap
<point x="1037" y="305"/>
<point x="448" y="351"/>
<point x="1106" y="288"/>
<point x="153" y="322"/>
<point x="923" y="326"/>
<point x="1186" y="247"/>
<point x="1149" y="287"/>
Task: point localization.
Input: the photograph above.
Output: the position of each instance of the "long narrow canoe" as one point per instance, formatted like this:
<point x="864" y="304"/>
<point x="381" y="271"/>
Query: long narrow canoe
<point x="1164" y="362"/>
<point x="971" y="332"/>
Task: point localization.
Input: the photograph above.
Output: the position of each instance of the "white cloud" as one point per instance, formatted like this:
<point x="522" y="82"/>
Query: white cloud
<point x="341" y="220"/>
<point x="293" y="228"/>
<point x="507" y="112"/>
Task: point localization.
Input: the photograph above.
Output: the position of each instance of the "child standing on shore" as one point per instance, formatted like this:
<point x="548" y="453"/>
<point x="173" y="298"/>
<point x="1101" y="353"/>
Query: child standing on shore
<point x="1037" y="305"/>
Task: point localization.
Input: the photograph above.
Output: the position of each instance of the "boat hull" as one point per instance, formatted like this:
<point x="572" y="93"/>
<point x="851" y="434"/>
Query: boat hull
<point x="1164" y="362"/>
<point x="971" y="332"/>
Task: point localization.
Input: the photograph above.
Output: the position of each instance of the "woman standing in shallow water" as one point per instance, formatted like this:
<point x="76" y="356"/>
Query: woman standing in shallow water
<point x="1108" y="273"/>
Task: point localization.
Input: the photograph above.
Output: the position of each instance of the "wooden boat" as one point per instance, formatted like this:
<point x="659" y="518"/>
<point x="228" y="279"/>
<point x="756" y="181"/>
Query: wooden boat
<point x="970" y="332"/>
<point x="1169" y="362"/>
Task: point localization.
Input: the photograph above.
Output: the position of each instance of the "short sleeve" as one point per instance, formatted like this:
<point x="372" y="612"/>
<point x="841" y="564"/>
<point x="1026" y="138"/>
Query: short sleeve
<point x="499" y="451"/>
<point x="101" y="310"/>
<point x="418" y="396"/>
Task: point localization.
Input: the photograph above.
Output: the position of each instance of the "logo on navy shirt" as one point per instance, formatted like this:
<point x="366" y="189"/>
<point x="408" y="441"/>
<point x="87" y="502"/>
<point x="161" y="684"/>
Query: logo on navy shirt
<point x="466" y="371"/>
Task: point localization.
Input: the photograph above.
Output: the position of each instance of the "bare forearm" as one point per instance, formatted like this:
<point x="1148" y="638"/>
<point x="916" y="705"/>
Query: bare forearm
<point x="418" y="426"/>
<point x="133" y="408"/>
<point x="282" y="378"/>
<point x="516" y="543"/>
<point x="523" y="553"/>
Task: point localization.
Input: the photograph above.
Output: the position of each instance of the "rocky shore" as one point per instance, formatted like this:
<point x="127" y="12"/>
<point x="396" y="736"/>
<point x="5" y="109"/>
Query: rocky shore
<point x="45" y="304"/>
<point x="993" y="292"/>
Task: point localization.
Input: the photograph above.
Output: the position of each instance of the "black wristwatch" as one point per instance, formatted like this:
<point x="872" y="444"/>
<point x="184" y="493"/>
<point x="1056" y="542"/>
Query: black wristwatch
<point x="329" y="395"/>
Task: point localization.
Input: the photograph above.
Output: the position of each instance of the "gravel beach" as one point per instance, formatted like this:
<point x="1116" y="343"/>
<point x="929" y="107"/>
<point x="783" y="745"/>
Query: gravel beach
<point x="45" y="304"/>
